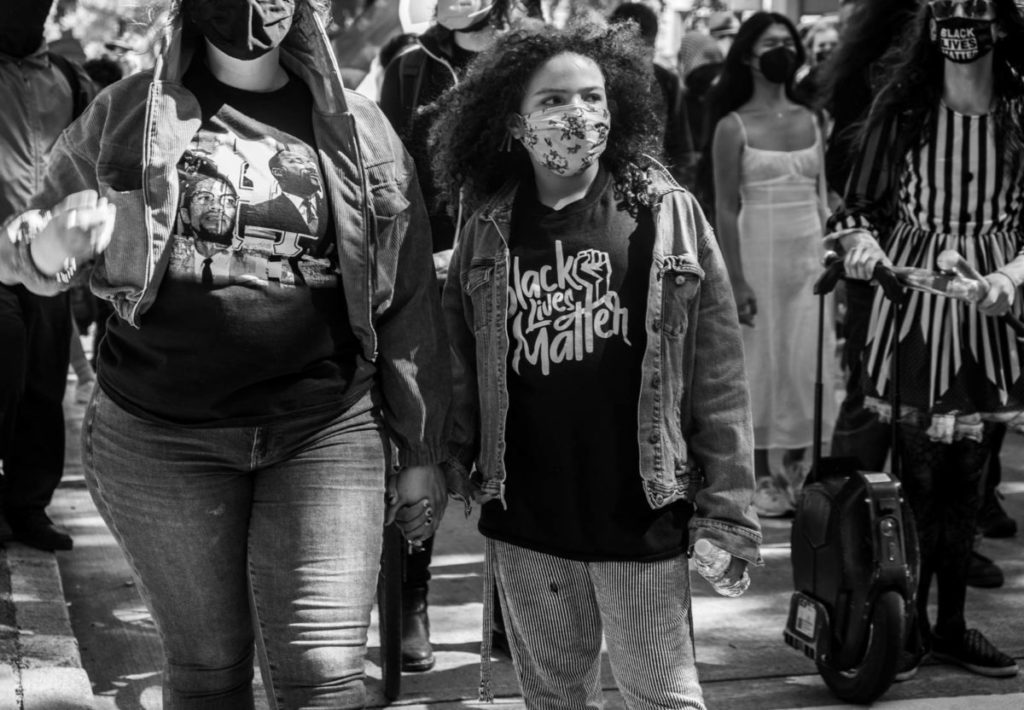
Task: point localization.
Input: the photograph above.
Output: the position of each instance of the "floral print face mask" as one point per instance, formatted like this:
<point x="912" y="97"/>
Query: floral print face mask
<point x="565" y="139"/>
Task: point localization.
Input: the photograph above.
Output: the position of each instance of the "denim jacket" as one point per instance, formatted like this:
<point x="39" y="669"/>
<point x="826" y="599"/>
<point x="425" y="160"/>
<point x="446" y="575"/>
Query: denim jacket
<point x="694" y="424"/>
<point x="127" y="146"/>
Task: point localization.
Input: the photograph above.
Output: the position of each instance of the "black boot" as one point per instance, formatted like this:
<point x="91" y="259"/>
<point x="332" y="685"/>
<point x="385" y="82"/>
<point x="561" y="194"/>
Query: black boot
<point x="6" y="534"/>
<point x="417" y="653"/>
<point x="35" y="529"/>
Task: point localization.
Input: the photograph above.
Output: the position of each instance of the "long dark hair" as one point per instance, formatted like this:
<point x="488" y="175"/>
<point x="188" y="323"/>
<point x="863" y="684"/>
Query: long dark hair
<point x="735" y="87"/>
<point x="913" y="93"/>
<point x="469" y="140"/>
<point x="868" y="49"/>
<point x="869" y="34"/>
<point x="735" y="83"/>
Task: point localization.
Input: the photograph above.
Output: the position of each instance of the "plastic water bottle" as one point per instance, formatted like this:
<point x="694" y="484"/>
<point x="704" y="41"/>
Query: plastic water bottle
<point x="712" y="562"/>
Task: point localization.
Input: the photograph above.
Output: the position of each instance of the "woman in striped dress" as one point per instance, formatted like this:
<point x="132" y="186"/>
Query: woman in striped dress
<point x="941" y="167"/>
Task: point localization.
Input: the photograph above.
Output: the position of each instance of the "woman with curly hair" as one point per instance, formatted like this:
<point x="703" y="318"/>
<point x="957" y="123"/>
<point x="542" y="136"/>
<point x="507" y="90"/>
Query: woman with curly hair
<point x="769" y="191"/>
<point x="941" y="166"/>
<point x="262" y="238"/>
<point x="600" y="392"/>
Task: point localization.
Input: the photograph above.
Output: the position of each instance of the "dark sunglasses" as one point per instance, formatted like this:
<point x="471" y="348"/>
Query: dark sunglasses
<point x="977" y="9"/>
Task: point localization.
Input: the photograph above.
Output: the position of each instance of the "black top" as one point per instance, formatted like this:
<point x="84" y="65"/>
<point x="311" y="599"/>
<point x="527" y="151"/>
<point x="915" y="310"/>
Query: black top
<point x="577" y="300"/>
<point x="250" y="322"/>
<point x="420" y="69"/>
<point x="677" y="141"/>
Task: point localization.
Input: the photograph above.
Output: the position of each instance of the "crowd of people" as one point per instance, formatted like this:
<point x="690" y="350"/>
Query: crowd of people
<point x="541" y="273"/>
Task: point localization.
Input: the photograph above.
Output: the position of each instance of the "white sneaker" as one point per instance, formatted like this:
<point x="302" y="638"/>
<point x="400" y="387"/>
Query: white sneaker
<point x="770" y="501"/>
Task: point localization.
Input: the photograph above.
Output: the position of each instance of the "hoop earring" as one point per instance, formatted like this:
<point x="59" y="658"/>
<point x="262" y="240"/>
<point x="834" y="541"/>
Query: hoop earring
<point x="506" y="143"/>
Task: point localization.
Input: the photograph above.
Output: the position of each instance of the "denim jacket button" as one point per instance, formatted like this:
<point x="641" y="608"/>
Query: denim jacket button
<point x="680" y="280"/>
<point x="654" y="437"/>
<point x="656" y="326"/>
<point x="656" y="381"/>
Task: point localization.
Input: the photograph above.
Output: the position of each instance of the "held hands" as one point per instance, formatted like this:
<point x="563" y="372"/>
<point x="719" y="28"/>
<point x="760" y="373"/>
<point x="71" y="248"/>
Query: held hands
<point x="862" y="254"/>
<point x="746" y="302"/>
<point x="80" y="227"/>
<point x="1000" y="295"/>
<point x="417" y="497"/>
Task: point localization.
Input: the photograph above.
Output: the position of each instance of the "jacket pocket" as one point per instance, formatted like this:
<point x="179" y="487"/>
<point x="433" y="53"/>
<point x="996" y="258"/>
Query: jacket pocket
<point x="387" y="203"/>
<point x="681" y="279"/>
<point x="477" y="282"/>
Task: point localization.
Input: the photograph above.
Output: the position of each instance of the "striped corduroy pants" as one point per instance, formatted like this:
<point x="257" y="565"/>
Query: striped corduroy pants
<point x="556" y="611"/>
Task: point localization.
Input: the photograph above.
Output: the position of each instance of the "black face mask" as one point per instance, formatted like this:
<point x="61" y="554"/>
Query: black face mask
<point x="777" y="65"/>
<point x="243" y="29"/>
<point x="21" y="30"/>
<point x="963" y="39"/>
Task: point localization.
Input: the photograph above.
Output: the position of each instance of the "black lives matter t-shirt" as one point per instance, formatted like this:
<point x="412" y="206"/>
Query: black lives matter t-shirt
<point x="576" y="307"/>
<point x="250" y="322"/>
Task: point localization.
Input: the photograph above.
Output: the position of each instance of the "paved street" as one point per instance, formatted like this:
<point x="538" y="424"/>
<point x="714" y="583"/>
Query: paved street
<point x="743" y="661"/>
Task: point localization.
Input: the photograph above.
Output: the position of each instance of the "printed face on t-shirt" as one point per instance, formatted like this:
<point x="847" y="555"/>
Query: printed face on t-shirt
<point x="297" y="174"/>
<point x="210" y="208"/>
<point x="258" y="200"/>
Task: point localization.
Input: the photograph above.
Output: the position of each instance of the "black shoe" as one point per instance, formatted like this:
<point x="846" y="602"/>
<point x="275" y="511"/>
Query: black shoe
<point x="975" y="653"/>
<point x="417" y="653"/>
<point x="993" y="520"/>
<point x="983" y="572"/>
<point x="914" y="653"/>
<point x="35" y="529"/>
<point x="910" y="663"/>
<point x="499" y="642"/>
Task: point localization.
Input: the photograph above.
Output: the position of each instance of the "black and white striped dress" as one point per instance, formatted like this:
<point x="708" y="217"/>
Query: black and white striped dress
<point x="962" y="190"/>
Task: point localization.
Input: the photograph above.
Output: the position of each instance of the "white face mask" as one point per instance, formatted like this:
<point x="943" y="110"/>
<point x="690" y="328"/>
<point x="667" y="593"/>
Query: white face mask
<point x="460" y="14"/>
<point x="565" y="139"/>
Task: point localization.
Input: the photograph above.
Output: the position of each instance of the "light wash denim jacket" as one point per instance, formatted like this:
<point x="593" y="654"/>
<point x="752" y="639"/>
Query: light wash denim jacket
<point x="693" y="420"/>
<point x="127" y="145"/>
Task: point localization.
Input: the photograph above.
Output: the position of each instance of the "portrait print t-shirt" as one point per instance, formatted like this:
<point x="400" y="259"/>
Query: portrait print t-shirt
<point x="577" y="302"/>
<point x="250" y="321"/>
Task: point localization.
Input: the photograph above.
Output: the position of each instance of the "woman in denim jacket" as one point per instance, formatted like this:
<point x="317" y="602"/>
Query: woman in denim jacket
<point x="264" y="243"/>
<point x="599" y="384"/>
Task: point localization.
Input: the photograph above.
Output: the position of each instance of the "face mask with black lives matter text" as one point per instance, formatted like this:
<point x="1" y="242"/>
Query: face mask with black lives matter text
<point x="963" y="39"/>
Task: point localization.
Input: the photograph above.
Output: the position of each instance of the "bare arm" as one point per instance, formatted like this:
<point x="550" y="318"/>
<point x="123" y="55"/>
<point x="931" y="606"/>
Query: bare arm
<point x="726" y="149"/>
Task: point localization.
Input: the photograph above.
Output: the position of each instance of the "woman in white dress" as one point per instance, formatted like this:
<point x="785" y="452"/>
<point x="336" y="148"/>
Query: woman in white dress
<point x="766" y="154"/>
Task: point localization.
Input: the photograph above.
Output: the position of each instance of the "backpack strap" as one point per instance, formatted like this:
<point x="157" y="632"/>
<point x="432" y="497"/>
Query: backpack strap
<point x="79" y="94"/>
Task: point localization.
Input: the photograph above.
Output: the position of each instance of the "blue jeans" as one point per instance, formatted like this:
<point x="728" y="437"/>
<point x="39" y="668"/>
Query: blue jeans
<point x="267" y="536"/>
<point x="556" y="609"/>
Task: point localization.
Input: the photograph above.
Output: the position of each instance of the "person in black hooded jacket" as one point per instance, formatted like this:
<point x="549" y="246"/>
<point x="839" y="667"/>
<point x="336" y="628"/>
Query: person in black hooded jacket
<point x="413" y="81"/>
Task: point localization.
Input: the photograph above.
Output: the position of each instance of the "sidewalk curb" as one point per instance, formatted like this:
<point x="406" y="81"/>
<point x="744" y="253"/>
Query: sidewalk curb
<point x="41" y="667"/>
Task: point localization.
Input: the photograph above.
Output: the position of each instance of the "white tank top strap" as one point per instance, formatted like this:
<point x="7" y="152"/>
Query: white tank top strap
<point x="819" y="138"/>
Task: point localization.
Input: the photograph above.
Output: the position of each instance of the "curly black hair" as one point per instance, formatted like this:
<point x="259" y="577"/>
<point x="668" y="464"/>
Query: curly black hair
<point x="471" y="129"/>
<point x="913" y="92"/>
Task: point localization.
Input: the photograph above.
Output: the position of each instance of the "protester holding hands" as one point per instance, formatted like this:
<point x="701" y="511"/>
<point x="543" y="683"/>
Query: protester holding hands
<point x="239" y="442"/>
